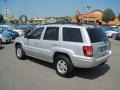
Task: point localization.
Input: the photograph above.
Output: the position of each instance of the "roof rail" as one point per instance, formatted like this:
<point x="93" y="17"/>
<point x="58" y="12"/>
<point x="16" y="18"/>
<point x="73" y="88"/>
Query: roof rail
<point x="72" y="23"/>
<point x="61" y="23"/>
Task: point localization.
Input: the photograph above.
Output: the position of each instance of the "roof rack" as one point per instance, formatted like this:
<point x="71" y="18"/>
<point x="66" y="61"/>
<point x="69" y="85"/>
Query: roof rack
<point x="86" y="25"/>
<point x="71" y="23"/>
<point x="61" y="23"/>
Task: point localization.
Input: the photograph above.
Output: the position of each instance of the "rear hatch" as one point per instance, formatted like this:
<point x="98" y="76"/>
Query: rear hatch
<point x="99" y="41"/>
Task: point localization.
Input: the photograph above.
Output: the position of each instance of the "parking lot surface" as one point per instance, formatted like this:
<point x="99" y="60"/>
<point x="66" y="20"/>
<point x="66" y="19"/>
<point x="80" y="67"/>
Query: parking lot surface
<point x="33" y="74"/>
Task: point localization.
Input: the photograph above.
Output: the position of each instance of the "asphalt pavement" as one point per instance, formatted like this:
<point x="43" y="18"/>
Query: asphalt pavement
<point x="33" y="74"/>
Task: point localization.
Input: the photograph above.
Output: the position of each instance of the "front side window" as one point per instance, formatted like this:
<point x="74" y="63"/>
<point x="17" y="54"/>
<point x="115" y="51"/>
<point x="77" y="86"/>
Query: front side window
<point x="36" y="34"/>
<point x="72" y="35"/>
<point x="51" y="33"/>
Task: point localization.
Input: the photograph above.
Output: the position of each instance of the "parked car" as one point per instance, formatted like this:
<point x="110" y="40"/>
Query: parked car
<point x="65" y="45"/>
<point x="8" y="30"/>
<point x="20" y="32"/>
<point x="113" y="26"/>
<point x="118" y="26"/>
<point x="5" y="37"/>
<point x="111" y="32"/>
<point x="116" y="36"/>
<point x="105" y="28"/>
<point x="26" y="28"/>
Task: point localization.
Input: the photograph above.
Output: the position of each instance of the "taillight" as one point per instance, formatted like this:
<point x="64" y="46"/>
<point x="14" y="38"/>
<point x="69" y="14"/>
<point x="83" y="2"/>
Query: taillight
<point x="88" y="51"/>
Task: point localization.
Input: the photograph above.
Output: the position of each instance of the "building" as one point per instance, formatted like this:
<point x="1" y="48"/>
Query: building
<point x="48" y="20"/>
<point x="93" y="17"/>
<point x="37" y="20"/>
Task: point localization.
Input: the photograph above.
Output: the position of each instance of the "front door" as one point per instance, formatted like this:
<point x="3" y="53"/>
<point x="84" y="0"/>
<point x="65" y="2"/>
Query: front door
<point x="33" y="43"/>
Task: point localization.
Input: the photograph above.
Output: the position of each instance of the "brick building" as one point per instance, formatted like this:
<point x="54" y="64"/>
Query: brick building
<point x="93" y="17"/>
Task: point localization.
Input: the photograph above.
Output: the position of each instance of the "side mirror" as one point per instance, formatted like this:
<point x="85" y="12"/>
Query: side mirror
<point x="26" y="36"/>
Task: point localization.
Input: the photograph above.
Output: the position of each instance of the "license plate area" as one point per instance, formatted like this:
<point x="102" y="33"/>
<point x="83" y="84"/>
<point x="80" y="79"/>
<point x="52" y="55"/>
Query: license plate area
<point x="103" y="48"/>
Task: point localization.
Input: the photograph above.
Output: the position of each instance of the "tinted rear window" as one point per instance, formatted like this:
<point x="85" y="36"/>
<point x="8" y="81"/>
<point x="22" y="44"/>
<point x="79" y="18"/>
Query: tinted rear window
<point x="72" y="35"/>
<point x="96" y="35"/>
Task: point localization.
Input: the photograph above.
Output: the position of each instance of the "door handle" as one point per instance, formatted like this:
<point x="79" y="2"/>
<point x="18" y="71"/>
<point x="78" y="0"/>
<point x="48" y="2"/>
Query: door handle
<point x="36" y="43"/>
<point x="55" y="44"/>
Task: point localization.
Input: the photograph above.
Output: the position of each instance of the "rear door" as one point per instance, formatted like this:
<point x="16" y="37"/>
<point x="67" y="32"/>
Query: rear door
<point x="99" y="41"/>
<point x="50" y="42"/>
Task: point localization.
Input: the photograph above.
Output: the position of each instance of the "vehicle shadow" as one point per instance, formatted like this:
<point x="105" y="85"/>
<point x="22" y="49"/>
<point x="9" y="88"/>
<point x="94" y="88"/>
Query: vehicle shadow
<point x="9" y="43"/>
<point x="2" y="47"/>
<point x="41" y="62"/>
<point x="90" y="74"/>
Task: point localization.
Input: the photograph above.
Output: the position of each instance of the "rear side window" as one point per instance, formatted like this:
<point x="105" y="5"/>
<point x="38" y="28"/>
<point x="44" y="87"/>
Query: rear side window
<point x="96" y="35"/>
<point x="51" y="33"/>
<point x="72" y="35"/>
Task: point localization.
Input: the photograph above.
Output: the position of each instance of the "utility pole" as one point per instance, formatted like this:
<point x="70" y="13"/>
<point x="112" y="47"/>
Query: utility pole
<point x="1" y="8"/>
<point x="25" y="3"/>
<point x="6" y="11"/>
<point x="88" y="7"/>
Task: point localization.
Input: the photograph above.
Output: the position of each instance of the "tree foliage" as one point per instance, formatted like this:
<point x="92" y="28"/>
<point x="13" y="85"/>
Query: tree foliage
<point x="1" y="19"/>
<point x="23" y="19"/>
<point x="119" y="16"/>
<point x="108" y="15"/>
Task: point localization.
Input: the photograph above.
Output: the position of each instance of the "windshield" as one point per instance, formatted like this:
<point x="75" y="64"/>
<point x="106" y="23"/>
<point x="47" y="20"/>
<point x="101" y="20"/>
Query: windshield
<point x="96" y="35"/>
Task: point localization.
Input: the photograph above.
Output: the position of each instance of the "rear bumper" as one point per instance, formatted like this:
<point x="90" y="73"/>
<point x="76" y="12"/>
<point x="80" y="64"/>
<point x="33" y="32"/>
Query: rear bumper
<point x="89" y="62"/>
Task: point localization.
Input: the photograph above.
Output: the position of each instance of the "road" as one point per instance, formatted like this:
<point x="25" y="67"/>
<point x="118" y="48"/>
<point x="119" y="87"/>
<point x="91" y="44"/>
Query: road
<point x="33" y="74"/>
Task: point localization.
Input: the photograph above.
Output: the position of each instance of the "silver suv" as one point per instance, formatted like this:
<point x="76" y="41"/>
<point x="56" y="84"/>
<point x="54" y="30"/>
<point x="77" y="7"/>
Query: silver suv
<point x="65" y="45"/>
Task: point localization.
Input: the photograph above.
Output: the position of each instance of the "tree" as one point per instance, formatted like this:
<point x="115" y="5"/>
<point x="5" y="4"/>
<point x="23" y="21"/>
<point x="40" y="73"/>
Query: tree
<point x="108" y="15"/>
<point x="119" y="16"/>
<point x="23" y="19"/>
<point x="11" y="22"/>
<point x="16" y="21"/>
<point x="31" y="21"/>
<point x="1" y="19"/>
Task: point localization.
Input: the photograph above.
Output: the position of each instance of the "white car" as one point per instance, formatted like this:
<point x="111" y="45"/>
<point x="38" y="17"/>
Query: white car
<point x="111" y="32"/>
<point x="20" y="32"/>
<point x="5" y="38"/>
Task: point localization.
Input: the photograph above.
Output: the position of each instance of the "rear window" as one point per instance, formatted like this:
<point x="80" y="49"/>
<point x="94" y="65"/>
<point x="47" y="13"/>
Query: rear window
<point x="96" y="35"/>
<point x="72" y="35"/>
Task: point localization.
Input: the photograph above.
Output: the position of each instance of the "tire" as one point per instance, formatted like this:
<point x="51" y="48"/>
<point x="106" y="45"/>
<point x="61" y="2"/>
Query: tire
<point x="0" y="41"/>
<point x="115" y="38"/>
<point x="63" y="66"/>
<point x="20" y="53"/>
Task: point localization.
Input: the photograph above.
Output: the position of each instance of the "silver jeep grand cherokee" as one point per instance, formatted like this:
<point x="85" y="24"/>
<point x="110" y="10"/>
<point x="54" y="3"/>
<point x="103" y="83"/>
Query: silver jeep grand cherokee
<point x="65" y="45"/>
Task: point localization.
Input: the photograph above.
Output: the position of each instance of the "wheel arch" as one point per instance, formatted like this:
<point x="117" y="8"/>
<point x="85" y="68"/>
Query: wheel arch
<point x="0" y="40"/>
<point x="17" y="43"/>
<point x="61" y="53"/>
